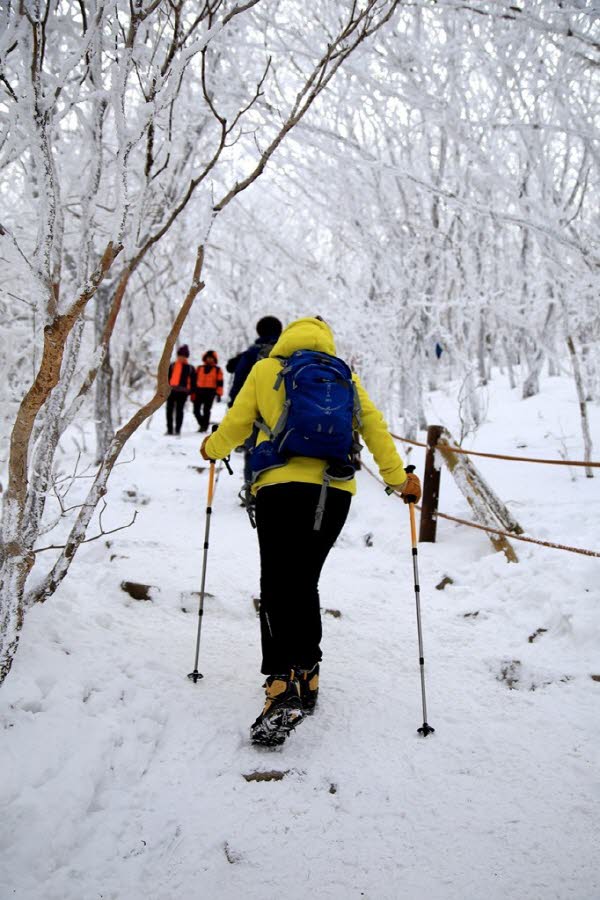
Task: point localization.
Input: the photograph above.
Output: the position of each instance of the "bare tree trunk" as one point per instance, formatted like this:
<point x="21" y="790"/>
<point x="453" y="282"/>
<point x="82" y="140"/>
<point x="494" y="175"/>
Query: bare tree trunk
<point x="585" y="425"/>
<point x="535" y="360"/>
<point x="509" y="362"/>
<point x="103" y="393"/>
<point x="481" y="350"/>
<point x="589" y="361"/>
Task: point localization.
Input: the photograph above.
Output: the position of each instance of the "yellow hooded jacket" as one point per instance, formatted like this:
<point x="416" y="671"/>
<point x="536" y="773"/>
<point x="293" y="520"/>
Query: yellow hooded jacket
<point x="258" y="399"/>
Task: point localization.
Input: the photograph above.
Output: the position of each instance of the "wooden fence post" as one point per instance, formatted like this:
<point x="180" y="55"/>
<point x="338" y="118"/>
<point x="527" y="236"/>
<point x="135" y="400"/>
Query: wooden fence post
<point x="431" y="487"/>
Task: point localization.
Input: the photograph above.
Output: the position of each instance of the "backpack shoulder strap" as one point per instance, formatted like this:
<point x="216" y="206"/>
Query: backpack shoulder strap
<point x="280" y="424"/>
<point x="284" y="360"/>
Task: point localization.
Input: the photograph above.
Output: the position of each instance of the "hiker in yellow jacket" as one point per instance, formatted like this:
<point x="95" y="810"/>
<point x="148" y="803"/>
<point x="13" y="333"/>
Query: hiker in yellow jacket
<point x="292" y="552"/>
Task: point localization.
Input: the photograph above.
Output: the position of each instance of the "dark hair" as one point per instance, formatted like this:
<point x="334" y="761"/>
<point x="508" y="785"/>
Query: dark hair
<point x="269" y="326"/>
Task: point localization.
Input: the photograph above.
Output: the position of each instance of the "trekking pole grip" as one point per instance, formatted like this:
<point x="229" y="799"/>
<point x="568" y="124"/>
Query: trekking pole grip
<point x="225" y="459"/>
<point x="410" y="498"/>
<point x="390" y="490"/>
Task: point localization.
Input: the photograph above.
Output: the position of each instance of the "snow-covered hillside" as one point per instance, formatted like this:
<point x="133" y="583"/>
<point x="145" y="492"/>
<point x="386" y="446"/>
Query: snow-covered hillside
<point x="121" y="779"/>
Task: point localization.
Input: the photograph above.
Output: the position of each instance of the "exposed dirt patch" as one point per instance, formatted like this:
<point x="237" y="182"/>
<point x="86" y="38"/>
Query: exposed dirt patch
<point x="231" y="855"/>
<point x="445" y="581"/>
<point x="133" y="496"/>
<point x="510" y="673"/>
<point x="536" y="634"/>
<point x="270" y="775"/>
<point x="136" y="590"/>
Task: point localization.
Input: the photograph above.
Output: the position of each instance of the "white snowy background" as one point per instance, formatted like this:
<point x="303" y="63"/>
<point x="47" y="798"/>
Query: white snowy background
<point x="122" y="779"/>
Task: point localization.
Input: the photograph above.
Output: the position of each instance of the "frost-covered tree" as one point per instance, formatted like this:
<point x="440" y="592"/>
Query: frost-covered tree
<point x="449" y="196"/>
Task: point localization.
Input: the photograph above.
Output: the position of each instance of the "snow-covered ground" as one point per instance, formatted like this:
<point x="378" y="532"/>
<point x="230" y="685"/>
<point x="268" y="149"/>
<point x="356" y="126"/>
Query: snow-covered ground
<point x="122" y="779"/>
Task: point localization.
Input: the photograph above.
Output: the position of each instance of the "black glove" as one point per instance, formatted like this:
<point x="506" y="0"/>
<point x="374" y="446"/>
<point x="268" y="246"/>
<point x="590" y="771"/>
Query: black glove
<point x="218" y="398"/>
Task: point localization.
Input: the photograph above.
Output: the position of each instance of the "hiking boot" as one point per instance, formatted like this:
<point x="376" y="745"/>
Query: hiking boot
<point x="308" y="679"/>
<point x="282" y="711"/>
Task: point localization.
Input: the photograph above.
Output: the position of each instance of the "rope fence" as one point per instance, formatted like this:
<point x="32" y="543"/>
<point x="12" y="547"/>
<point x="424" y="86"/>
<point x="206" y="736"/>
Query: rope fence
<point x="550" y="462"/>
<point x="513" y="537"/>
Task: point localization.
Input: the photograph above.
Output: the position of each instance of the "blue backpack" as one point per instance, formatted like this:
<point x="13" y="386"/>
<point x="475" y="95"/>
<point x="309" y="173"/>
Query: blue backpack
<point x="320" y="412"/>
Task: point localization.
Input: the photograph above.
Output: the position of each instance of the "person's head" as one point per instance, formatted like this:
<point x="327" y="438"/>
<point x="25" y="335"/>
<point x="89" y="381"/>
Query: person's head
<point x="210" y="357"/>
<point x="268" y="327"/>
<point x="184" y="352"/>
<point x="307" y="333"/>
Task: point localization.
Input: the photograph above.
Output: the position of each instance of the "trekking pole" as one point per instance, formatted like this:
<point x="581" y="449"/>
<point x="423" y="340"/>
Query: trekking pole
<point x="195" y="675"/>
<point x="425" y="728"/>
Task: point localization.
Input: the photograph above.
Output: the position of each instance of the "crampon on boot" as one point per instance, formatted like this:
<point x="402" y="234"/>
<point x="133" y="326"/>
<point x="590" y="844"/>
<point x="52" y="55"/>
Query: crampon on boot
<point x="282" y="711"/>
<point x="308" y="679"/>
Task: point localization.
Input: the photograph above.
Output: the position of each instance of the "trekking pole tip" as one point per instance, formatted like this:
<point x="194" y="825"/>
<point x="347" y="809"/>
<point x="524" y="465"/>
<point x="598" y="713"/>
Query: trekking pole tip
<point x="426" y="729"/>
<point x="195" y="675"/>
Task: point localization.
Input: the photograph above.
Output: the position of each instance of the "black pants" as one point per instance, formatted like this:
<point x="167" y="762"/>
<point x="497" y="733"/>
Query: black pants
<point x="291" y="558"/>
<point x="175" y="401"/>
<point x="202" y="406"/>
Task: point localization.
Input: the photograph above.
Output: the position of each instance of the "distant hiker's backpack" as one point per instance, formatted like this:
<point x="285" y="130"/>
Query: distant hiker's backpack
<point x="264" y="350"/>
<point x="320" y="412"/>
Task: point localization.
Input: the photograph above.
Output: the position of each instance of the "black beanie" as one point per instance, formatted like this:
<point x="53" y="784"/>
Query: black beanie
<point x="269" y="326"/>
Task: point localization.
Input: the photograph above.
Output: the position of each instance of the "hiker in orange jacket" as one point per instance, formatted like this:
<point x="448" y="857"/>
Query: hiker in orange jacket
<point x="182" y="379"/>
<point x="209" y="384"/>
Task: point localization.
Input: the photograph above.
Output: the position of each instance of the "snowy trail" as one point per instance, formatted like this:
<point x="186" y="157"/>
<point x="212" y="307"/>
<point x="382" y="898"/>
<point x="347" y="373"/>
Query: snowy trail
<point x="125" y="780"/>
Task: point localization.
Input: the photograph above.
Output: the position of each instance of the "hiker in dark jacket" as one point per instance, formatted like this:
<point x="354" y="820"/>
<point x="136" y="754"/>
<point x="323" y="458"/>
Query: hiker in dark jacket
<point x="292" y="549"/>
<point x="182" y="379"/>
<point x="209" y="384"/>
<point x="268" y="329"/>
<point x="231" y="365"/>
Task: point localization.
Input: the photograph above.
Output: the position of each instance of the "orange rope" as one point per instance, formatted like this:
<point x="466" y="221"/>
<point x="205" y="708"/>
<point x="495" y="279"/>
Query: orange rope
<point x="519" y="537"/>
<point x="513" y="537"/>
<point x="550" y="462"/>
